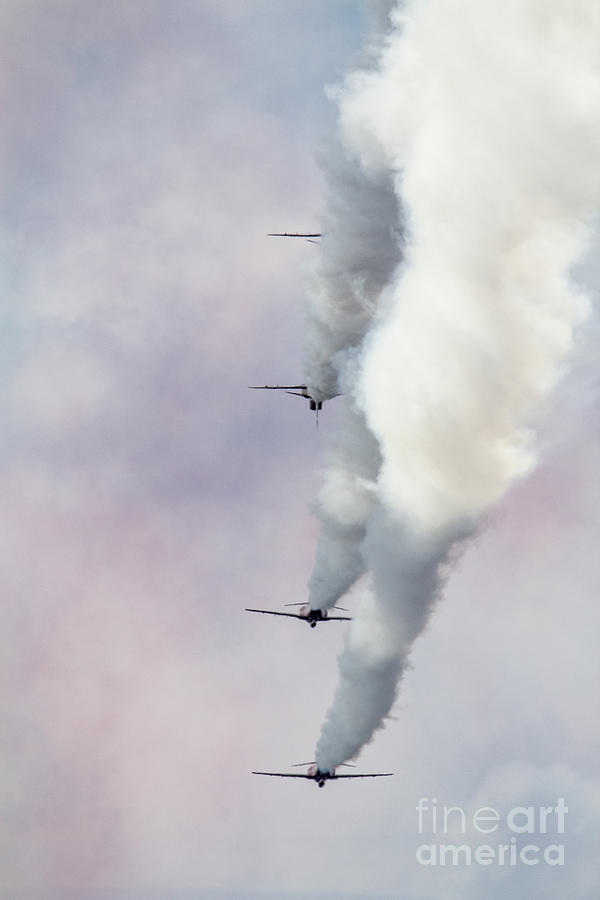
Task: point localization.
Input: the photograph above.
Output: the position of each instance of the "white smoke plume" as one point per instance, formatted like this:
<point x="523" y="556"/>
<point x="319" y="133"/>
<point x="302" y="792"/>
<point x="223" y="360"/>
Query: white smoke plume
<point x="359" y="255"/>
<point x="361" y="251"/>
<point x="485" y="119"/>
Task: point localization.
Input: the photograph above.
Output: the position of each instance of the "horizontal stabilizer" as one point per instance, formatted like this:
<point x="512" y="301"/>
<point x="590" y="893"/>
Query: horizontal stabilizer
<point x="366" y="775"/>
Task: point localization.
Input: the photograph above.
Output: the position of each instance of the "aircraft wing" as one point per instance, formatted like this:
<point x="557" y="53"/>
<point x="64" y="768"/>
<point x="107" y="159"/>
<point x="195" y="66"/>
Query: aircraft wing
<point x="285" y="774"/>
<point x="277" y="387"/>
<point x="272" y="612"/>
<point x="337" y="619"/>
<point x="293" y="234"/>
<point x="298" y="394"/>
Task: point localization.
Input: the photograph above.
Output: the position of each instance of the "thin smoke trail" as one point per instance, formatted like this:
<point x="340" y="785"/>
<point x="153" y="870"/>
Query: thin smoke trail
<point x="484" y="119"/>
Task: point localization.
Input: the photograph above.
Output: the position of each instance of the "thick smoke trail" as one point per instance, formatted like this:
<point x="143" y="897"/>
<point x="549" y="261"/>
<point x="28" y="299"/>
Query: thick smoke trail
<point x="359" y="255"/>
<point x="361" y="252"/>
<point x="485" y="116"/>
<point x="343" y="507"/>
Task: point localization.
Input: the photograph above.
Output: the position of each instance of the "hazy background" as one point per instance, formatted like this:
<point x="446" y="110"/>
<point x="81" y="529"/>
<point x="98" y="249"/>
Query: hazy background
<point x="147" y="496"/>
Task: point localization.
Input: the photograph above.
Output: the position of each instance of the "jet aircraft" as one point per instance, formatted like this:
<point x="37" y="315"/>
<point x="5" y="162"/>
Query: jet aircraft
<point x="316" y="774"/>
<point x="306" y="614"/>
<point x="308" y="237"/>
<point x="297" y="390"/>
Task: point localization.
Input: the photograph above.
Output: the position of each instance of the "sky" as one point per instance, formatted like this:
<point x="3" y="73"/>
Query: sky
<point x="148" y="497"/>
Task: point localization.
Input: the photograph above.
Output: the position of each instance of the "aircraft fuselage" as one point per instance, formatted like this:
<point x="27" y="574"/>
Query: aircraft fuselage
<point x="320" y="777"/>
<point x="315" y="615"/>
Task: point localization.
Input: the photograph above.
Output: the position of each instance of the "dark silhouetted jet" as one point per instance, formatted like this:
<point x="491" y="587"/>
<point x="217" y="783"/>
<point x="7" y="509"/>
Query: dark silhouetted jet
<point x="316" y="774"/>
<point x="297" y="234"/>
<point x="297" y="390"/>
<point x="306" y="614"/>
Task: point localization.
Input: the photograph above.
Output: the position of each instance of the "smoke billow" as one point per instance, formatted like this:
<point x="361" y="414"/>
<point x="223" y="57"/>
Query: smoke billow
<point x="480" y="121"/>
<point x="361" y="252"/>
